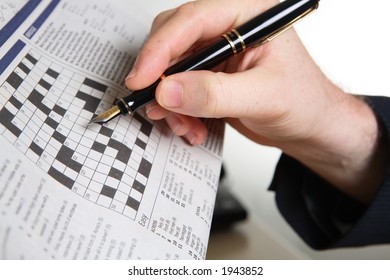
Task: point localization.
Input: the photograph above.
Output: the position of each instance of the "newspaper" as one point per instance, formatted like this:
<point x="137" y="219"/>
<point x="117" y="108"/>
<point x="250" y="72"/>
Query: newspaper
<point x="8" y="9"/>
<point x="128" y="189"/>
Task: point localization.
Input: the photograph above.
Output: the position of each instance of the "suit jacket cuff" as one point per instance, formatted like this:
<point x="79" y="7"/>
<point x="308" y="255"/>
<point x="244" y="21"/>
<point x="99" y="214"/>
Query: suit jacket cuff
<point x="325" y="217"/>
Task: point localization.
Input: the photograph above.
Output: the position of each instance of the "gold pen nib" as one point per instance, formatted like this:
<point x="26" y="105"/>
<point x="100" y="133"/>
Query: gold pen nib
<point x="106" y="116"/>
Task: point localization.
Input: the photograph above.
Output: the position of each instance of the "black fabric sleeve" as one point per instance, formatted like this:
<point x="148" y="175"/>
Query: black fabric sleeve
<point x="324" y="217"/>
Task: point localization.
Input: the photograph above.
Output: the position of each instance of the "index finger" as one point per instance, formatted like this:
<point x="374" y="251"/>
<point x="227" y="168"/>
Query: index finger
<point x="182" y="28"/>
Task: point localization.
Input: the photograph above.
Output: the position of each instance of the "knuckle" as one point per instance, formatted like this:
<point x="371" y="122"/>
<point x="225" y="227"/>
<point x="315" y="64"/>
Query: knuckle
<point x="218" y="96"/>
<point x="194" y="12"/>
<point x="160" y="18"/>
<point x="187" y="9"/>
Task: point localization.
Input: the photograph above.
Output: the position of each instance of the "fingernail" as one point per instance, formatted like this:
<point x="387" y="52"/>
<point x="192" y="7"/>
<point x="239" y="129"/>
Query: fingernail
<point x="171" y="94"/>
<point x="191" y="137"/>
<point x="174" y="123"/>
<point x="150" y="107"/>
<point x="133" y="71"/>
<point x="131" y="74"/>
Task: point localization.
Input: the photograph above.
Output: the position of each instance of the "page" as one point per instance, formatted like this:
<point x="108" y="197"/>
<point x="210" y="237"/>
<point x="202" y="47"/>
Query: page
<point x="15" y="18"/>
<point x="8" y="9"/>
<point x="129" y="189"/>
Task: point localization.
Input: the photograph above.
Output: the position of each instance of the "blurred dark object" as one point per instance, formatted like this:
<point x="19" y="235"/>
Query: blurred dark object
<point x="227" y="210"/>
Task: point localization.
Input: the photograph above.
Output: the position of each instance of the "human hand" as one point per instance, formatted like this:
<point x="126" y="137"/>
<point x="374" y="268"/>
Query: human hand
<point x="274" y="94"/>
<point x="257" y="91"/>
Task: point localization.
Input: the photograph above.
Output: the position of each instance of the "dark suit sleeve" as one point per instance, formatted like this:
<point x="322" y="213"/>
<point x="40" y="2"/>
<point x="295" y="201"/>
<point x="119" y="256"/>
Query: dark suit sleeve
<point x="324" y="217"/>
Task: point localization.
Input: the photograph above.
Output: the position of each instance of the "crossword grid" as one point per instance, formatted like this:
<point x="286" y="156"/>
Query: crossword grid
<point x="44" y="112"/>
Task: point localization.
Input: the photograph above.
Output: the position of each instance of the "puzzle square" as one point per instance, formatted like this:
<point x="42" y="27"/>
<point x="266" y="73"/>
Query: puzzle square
<point x="117" y="206"/>
<point x="44" y="111"/>
<point x="104" y="201"/>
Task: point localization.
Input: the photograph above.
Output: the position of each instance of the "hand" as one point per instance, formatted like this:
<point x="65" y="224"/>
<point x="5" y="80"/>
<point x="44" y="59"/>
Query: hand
<point x="275" y="94"/>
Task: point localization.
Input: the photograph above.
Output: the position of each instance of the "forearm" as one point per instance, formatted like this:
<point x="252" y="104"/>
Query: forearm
<point x="321" y="214"/>
<point x="347" y="148"/>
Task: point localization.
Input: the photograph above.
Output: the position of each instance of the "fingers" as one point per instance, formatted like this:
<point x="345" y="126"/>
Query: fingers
<point x="160" y="19"/>
<point x="214" y="95"/>
<point x="176" y="31"/>
<point x="184" y="97"/>
<point x="192" y="129"/>
<point x="156" y="112"/>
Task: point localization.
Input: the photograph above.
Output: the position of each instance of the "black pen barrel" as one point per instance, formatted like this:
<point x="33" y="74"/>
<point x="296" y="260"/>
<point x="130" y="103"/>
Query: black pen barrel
<point x="265" y="26"/>
<point x="138" y="98"/>
<point x="203" y="60"/>
<point x="253" y="33"/>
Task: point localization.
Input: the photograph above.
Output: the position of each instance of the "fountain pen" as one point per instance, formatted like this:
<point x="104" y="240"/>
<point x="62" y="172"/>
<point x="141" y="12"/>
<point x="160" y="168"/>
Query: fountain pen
<point x="253" y="33"/>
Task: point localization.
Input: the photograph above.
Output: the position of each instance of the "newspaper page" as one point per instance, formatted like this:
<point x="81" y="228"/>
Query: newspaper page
<point x="128" y="189"/>
<point x="8" y="9"/>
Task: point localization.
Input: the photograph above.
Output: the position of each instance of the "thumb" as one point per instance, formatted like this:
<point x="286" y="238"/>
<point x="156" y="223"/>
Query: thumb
<point x="206" y="94"/>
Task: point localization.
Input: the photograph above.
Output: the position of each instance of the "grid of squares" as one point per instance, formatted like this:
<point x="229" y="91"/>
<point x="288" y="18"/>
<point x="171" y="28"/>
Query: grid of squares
<point x="44" y="112"/>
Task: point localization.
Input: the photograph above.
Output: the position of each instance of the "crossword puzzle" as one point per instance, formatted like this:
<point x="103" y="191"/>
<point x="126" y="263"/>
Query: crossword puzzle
<point x="44" y="112"/>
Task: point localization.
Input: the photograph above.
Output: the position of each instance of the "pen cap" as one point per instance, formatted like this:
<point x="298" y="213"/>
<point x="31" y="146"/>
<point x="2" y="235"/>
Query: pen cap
<point x="267" y="25"/>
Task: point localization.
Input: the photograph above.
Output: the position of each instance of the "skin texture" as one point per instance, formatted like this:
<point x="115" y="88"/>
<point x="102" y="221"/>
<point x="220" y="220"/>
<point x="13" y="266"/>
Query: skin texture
<point x="274" y="94"/>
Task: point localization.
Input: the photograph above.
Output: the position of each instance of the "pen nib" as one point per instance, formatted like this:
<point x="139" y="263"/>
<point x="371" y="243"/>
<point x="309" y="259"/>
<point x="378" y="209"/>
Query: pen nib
<point x="106" y="116"/>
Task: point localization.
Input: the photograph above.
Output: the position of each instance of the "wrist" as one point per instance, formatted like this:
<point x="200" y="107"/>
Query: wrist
<point x="348" y="149"/>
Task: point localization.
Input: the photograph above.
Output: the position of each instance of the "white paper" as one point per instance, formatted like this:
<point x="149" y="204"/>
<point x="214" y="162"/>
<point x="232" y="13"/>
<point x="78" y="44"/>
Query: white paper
<point x="127" y="190"/>
<point x="8" y="9"/>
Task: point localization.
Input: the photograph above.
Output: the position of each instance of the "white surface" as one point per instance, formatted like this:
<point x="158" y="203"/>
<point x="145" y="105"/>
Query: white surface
<point x="348" y="40"/>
